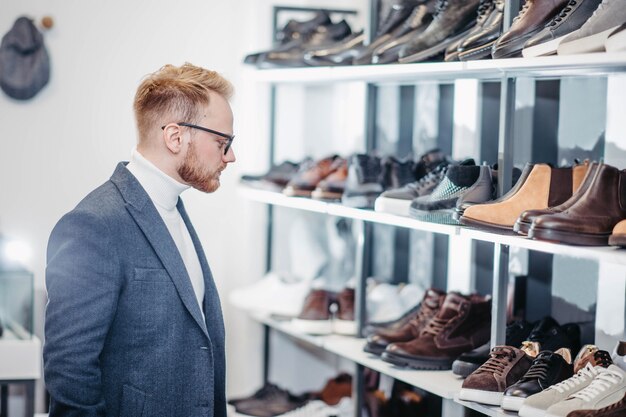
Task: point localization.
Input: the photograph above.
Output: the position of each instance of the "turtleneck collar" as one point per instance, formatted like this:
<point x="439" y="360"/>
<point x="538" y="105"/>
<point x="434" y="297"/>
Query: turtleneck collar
<point x="162" y="189"/>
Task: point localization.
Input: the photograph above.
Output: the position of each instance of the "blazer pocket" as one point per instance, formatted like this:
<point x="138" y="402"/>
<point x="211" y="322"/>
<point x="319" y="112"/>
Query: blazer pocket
<point x="151" y="275"/>
<point x="133" y="402"/>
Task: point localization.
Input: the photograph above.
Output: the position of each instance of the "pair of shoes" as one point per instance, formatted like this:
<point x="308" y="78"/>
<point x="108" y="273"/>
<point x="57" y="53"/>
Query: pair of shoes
<point x="270" y="400"/>
<point x="589" y="217"/>
<point x="317" y="316"/>
<point x="369" y="176"/>
<point x="477" y="43"/>
<point x="312" y="173"/>
<point x="539" y="186"/>
<point x="461" y="324"/>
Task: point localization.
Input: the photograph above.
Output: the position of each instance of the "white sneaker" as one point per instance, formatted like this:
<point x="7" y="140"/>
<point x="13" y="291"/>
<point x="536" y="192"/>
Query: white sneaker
<point x="607" y="387"/>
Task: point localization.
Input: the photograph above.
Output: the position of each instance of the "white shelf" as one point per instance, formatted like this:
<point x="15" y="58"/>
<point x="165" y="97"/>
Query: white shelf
<point x="602" y="254"/>
<point x="551" y="66"/>
<point x="490" y="410"/>
<point x="442" y="383"/>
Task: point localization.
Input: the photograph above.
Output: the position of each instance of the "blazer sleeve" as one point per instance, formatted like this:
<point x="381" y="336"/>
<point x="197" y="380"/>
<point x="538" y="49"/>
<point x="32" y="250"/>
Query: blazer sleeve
<point x="83" y="280"/>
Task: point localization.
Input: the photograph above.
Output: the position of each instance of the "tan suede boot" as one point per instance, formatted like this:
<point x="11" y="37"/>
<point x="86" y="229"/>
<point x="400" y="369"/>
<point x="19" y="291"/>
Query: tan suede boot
<point x="545" y="187"/>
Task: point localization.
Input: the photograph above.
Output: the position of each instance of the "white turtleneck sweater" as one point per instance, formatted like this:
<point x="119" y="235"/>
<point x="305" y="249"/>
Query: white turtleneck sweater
<point x="164" y="191"/>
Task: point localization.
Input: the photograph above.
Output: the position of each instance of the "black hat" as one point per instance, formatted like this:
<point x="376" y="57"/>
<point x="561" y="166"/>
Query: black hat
<point x="24" y="61"/>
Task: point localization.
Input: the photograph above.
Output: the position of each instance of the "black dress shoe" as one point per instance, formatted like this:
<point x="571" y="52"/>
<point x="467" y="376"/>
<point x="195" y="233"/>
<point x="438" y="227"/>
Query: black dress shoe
<point x="452" y="18"/>
<point x="292" y="54"/>
<point x="548" y="368"/>
<point x="341" y="53"/>
<point x="484" y="11"/>
<point x="478" y="44"/>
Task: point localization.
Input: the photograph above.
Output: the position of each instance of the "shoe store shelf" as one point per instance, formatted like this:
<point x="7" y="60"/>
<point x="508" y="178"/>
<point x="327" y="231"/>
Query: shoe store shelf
<point x="489" y="410"/>
<point x="551" y="66"/>
<point x="441" y="383"/>
<point x="602" y="254"/>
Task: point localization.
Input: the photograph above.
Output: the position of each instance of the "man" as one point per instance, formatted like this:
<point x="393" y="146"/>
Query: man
<point x="133" y="323"/>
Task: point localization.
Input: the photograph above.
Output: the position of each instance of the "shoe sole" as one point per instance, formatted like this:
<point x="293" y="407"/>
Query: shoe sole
<point x="296" y="192"/>
<point x="522" y="227"/>
<point x="617" y="240"/>
<point x="344" y="327"/>
<point x="544" y="49"/>
<point x="432" y="51"/>
<point x="593" y="43"/>
<point x="479" y="396"/>
<point x="374" y="349"/>
<point x="325" y="195"/>
<point x="392" y="205"/>
<point x="571" y="238"/>
<point x="316" y="327"/>
<point x="512" y="403"/>
<point x="527" y="411"/>
<point x="503" y="229"/>
<point x="435" y="216"/>
<point x="417" y="363"/>
<point x="616" y="42"/>
<point x="514" y="47"/>
<point x="464" y="369"/>
<point x="478" y="52"/>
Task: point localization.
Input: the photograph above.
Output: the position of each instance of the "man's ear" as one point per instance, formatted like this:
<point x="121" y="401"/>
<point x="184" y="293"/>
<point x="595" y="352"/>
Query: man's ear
<point x="173" y="138"/>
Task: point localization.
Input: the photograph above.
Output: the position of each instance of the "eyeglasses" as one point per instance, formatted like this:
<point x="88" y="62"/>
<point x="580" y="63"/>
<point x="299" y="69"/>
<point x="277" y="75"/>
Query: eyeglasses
<point x="229" y="138"/>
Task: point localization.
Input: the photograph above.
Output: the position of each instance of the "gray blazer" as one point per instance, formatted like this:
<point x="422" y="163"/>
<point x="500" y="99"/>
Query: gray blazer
<point x="124" y="334"/>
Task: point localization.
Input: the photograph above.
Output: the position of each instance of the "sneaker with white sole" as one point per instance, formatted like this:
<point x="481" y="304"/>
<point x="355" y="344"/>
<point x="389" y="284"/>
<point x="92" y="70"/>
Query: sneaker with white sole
<point x="607" y="387"/>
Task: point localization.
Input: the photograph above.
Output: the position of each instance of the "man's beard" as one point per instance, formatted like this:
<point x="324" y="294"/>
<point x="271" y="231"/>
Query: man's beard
<point x="199" y="177"/>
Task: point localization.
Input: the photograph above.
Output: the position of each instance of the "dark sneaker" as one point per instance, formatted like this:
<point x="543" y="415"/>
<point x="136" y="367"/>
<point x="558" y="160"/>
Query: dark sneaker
<point x="364" y="182"/>
<point x="463" y="323"/>
<point x="548" y="335"/>
<point x="505" y="366"/>
<point x="439" y="205"/>
<point x="276" y="178"/>
<point x="548" y="368"/>
<point x="315" y="317"/>
<point x="263" y="392"/>
<point x="398" y="201"/>
<point x="432" y="301"/>
<point x="467" y="363"/>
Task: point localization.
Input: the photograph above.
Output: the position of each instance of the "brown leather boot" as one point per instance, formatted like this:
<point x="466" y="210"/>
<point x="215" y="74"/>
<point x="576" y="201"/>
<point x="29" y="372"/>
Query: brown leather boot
<point x="432" y="301"/>
<point x="463" y="323"/>
<point x="544" y="187"/>
<point x="618" y="237"/>
<point x="582" y="177"/>
<point x="315" y="317"/>
<point x="530" y="21"/>
<point x="591" y="219"/>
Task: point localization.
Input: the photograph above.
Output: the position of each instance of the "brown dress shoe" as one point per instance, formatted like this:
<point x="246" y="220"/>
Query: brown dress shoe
<point x="592" y="218"/>
<point x="582" y="176"/>
<point x="310" y="175"/>
<point x="504" y="368"/>
<point x="315" y="317"/>
<point x="544" y="187"/>
<point x="432" y="301"/>
<point x="463" y="323"/>
<point x="618" y="236"/>
<point x="331" y="187"/>
<point x="530" y="21"/>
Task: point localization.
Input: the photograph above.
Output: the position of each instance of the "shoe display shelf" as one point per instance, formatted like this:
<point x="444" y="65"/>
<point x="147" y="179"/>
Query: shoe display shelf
<point x="441" y="383"/>
<point x="550" y="66"/>
<point x="505" y="72"/>
<point x="601" y="254"/>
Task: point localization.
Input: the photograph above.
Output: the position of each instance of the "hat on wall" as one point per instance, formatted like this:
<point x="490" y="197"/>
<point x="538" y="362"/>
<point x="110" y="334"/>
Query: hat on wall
<point x="24" y="61"/>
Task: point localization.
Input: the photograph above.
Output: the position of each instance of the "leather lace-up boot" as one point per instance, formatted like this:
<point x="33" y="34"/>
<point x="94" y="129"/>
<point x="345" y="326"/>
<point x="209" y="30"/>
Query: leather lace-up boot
<point x="452" y="19"/>
<point x="531" y="19"/>
<point x="462" y="324"/>
<point x="582" y="177"/>
<point x="432" y="301"/>
<point x="591" y="219"/>
<point x="544" y="187"/>
<point x="315" y="317"/>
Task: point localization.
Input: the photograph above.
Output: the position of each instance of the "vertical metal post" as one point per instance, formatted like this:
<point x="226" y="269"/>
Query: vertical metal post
<point x="499" y="296"/>
<point x="4" y="400"/>
<point x="505" y="136"/>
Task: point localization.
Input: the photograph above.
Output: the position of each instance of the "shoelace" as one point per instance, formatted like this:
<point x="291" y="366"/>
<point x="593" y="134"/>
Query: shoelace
<point x="484" y="7"/>
<point x="539" y="368"/>
<point x="589" y="371"/>
<point x="605" y="379"/>
<point x="440" y="8"/>
<point x="563" y="14"/>
<point x="435" y="326"/>
<point x="424" y="314"/>
<point x="431" y="178"/>
<point x="500" y="357"/>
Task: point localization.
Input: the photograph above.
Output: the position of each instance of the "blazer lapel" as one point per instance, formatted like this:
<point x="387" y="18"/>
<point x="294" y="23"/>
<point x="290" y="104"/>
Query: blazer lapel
<point x="149" y="220"/>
